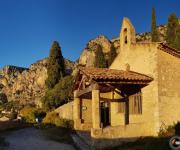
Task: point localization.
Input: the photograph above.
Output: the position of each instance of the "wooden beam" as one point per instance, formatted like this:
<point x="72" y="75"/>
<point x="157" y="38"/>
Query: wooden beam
<point x="86" y="90"/>
<point x="113" y="100"/>
<point x="122" y="82"/>
<point x="80" y="82"/>
<point x="114" y="88"/>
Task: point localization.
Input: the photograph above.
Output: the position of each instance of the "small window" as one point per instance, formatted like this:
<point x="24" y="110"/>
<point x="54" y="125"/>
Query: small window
<point x="135" y="103"/>
<point x="125" y="41"/>
<point x="121" y="107"/>
<point x="125" y="36"/>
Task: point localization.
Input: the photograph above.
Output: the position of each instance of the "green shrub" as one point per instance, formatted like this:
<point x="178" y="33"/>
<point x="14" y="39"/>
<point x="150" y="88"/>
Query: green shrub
<point x="3" y="98"/>
<point x="54" y="119"/>
<point x="29" y="114"/>
<point x="50" y="116"/>
<point x="59" y="122"/>
<point x="59" y="95"/>
<point x="177" y="128"/>
<point x="12" y="105"/>
<point x="170" y="130"/>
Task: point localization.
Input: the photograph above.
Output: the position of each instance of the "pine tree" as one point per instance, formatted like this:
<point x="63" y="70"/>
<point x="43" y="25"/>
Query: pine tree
<point x="177" y="39"/>
<point x="154" y="32"/>
<point x="171" y="29"/>
<point x="100" y="61"/>
<point x="112" y="55"/>
<point x="56" y="67"/>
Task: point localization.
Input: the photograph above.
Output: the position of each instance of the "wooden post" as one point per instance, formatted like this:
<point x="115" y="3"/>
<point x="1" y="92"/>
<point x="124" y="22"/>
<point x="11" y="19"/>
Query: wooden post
<point x="127" y="111"/>
<point x="76" y="110"/>
<point x="96" y="107"/>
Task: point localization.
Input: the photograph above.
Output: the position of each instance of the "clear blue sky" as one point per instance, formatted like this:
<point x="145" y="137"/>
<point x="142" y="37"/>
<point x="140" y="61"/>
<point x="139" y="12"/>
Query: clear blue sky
<point x="28" y="27"/>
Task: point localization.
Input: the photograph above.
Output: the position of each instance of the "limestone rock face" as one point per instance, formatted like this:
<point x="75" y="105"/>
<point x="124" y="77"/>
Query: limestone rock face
<point x="144" y="37"/>
<point x="27" y="85"/>
<point x="87" y="57"/>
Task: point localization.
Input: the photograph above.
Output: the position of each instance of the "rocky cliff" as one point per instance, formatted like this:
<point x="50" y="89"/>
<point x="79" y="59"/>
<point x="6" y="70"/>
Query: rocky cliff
<point x="87" y="56"/>
<point x="27" y="85"/>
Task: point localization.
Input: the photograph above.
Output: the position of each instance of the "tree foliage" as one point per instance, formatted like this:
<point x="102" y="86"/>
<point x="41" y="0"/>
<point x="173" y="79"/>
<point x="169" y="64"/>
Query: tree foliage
<point x="56" y="67"/>
<point x="3" y="98"/>
<point x="52" y="118"/>
<point x="172" y="27"/>
<point x="177" y="39"/>
<point x="60" y="94"/>
<point x="100" y="61"/>
<point x="154" y="32"/>
<point x="112" y="55"/>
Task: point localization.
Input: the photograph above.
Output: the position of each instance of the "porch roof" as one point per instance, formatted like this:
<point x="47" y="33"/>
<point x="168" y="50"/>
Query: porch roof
<point x="172" y="51"/>
<point x="113" y="75"/>
<point x="107" y="80"/>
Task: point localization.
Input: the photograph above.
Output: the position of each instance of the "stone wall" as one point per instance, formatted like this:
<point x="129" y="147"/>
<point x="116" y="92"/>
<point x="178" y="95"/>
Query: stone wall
<point x="142" y="58"/>
<point x="85" y="121"/>
<point x="86" y="111"/>
<point x="169" y="88"/>
<point x="66" y="111"/>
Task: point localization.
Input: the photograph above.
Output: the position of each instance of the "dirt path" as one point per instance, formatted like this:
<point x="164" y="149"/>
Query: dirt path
<point x="33" y="139"/>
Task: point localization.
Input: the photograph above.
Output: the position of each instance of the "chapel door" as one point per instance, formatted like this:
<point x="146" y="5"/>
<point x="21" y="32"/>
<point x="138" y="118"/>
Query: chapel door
<point x="105" y="114"/>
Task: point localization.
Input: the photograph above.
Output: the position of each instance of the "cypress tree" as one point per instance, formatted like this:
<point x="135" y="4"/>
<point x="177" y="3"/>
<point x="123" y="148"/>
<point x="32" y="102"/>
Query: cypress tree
<point x="56" y="67"/>
<point x="100" y="61"/>
<point x="177" y="39"/>
<point x="171" y="29"/>
<point x="112" y="55"/>
<point x="154" y="32"/>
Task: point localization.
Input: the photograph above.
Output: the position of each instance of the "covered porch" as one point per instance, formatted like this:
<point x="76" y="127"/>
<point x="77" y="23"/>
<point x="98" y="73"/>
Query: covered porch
<point x="102" y="98"/>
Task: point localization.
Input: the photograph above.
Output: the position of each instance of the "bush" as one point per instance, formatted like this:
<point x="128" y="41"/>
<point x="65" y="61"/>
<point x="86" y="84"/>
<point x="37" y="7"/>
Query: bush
<point x="177" y="128"/>
<point x="170" y="130"/>
<point x="59" y="95"/>
<point x="12" y="105"/>
<point x="3" y="98"/>
<point x="29" y="114"/>
<point x="49" y="119"/>
<point x="54" y="119"/>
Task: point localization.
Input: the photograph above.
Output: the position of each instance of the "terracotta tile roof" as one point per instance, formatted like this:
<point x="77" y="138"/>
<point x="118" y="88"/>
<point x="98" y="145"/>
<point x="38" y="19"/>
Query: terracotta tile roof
<point x="112" y="74"/>
<point x="164" y="47"/>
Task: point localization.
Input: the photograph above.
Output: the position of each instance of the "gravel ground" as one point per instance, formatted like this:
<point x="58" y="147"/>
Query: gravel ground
<point x="32" y="139"/>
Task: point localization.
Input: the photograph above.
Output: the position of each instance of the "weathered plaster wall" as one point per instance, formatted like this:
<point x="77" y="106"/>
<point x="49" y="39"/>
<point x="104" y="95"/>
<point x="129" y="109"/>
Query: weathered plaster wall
<point x="85" y="117"/>
<point x="86" y="111"/>
<point x="169" y="88"/>
<point x="142" y="58"/>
